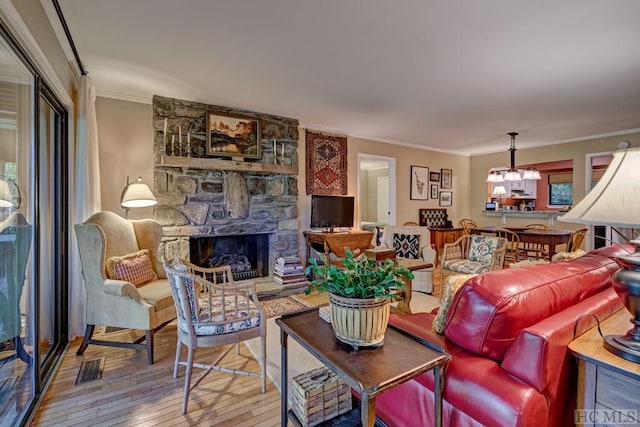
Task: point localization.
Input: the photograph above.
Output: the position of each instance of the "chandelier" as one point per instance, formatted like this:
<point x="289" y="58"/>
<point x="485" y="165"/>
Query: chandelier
<point x="512" y="174"/>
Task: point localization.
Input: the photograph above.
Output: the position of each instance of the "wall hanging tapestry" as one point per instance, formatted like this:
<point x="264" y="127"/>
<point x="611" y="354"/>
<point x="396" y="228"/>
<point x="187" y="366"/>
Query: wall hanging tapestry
<point x="326" y="164"/>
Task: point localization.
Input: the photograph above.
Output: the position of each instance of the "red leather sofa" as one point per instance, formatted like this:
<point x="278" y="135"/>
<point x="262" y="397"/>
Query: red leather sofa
<point x="507" y="332"/>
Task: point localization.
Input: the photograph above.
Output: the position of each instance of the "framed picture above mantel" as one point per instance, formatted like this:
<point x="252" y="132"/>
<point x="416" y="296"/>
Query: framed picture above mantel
<point x="233" y="136"/>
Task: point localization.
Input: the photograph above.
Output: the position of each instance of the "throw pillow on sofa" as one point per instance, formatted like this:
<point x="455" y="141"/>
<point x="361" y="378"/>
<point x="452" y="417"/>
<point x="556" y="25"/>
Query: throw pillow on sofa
<point x="135" y="268"/>
<point x="406" y="245"/>
<point x="452" y="284"/>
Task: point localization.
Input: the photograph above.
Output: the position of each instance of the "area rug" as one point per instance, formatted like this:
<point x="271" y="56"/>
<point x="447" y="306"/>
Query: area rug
<point x="326" y="164"/>
<point x="278" y="306"/>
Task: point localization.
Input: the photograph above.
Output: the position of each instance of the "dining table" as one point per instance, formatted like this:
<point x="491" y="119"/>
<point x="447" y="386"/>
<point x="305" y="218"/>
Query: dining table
<point x="551" y="237"/>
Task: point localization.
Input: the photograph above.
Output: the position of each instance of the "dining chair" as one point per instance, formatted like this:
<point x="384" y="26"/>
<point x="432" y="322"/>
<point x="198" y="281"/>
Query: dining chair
<point x="213" y="310"/>
<point x="467" y="223"/>
<point x="472" y="254"/>
<point x="535" y="250"/>
<point x="514" y="252"/>
<point x="575" y="240"/>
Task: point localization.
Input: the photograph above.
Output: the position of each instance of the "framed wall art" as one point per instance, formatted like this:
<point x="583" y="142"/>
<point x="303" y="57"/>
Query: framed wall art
<point x="233" y="135"/>
<point x="419" y="179"/>
<point x="446" y="198"/>
<point x="446" y="178"/>
<point x="434" y="191"/>
<point x="434" y="177"/>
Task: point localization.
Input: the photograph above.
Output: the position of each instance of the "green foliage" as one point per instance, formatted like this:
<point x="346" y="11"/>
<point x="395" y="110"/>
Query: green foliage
<point x="360" y="277"/>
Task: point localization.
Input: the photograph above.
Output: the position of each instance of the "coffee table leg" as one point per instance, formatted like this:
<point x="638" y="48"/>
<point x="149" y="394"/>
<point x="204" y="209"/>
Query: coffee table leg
<point x="439" y="387"/>
<point x="367" y="410"/>
<point x="283" y="378"/>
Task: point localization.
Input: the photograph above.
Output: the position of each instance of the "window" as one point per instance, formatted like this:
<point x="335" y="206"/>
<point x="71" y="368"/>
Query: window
<point x="561" y="188"/>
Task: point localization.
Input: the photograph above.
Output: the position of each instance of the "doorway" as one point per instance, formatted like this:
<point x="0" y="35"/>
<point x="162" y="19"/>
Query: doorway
<point x="376" y="190"/>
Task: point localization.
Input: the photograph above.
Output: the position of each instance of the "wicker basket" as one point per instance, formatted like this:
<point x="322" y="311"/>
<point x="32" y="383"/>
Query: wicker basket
<point x="319" y="395"/>
<point x="359" y="322"/>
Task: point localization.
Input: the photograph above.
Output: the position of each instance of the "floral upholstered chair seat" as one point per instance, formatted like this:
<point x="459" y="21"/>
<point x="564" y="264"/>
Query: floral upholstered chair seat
<point x="225" y="315"/>
<point x="466" y="266"/>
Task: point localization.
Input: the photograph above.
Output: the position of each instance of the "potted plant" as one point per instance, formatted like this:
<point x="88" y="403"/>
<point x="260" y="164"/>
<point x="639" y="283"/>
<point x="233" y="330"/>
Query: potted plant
<point x="360" y="293"/>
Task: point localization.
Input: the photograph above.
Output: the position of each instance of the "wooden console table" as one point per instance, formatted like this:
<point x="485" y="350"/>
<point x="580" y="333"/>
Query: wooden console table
<point x="336" y="243"/>
<point x="371" y="371"/>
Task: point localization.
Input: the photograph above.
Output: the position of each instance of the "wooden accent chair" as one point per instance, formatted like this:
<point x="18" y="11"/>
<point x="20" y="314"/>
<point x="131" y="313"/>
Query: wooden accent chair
<point x="576" y="239"/>
<point x="467" y="223"/>
<point x="535" y="250"/>
<point x="108" y="239"/>
<point x="213" y="310"/>
<point x="513" y="253"/>
<point x="472" y="254"/>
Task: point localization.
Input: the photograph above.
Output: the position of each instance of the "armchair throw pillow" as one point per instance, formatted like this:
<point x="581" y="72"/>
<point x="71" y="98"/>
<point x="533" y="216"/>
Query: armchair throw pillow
<point x="482" y="248"/>
<point x="407" y="245"/>
<point x="135" y="268"/>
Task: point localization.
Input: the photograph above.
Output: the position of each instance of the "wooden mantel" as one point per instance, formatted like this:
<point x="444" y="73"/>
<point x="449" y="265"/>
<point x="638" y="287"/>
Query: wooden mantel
<point x="222" y="164"/>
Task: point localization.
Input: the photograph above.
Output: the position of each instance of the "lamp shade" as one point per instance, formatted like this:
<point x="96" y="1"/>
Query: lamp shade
<point x="615" y="199"/>
<point x="9" y="193"/>
<point x="5" y="194"/>
<point x="137" y="195"/>
<point x="499" y="190"/>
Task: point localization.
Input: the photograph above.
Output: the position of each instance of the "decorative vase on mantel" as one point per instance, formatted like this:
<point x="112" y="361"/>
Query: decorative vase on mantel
<point x="360" y="294"/>
<point x="359" y="322"/>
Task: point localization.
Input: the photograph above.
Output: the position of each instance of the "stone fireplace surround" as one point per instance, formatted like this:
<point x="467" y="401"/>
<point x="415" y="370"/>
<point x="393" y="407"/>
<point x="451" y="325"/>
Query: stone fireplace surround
<point x="204" y="196"/>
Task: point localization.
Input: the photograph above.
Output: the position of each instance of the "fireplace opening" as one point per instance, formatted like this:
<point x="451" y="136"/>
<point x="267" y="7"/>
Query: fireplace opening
<point x="247" y="255"/>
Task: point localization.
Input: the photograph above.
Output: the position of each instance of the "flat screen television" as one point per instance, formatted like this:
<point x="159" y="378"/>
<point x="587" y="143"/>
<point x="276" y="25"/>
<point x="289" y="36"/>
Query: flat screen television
<point x="331" y="211"/>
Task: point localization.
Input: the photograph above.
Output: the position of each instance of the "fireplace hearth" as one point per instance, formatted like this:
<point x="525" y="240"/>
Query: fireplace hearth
<point x="247" y="255"/>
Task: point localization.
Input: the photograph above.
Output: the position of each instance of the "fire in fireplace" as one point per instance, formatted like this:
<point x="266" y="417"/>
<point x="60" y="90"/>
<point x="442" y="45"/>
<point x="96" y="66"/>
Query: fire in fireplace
<point x="247" y="255"/>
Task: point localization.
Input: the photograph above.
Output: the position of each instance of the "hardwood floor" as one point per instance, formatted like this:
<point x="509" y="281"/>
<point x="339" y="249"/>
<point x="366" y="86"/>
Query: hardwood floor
<point x="132" y="393"/>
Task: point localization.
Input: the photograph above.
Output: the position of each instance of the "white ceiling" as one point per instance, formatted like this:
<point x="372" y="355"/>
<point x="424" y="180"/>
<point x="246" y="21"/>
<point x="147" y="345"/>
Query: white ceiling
<point x="454" y="76"/>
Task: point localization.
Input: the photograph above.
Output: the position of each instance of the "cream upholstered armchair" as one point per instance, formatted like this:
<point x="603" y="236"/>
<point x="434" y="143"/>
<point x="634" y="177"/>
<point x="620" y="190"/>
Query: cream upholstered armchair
<point x="472" y="254"/>
<point x="125" y="281"/>
<point x="412" y="242"/>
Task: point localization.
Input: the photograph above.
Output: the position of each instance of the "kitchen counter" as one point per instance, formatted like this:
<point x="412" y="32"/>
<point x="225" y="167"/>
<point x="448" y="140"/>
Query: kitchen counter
<point x="550" y="216"/>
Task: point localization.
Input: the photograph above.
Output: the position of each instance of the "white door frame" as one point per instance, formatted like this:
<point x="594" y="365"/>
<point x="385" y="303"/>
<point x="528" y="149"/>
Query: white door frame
<point x="391" y="161"/>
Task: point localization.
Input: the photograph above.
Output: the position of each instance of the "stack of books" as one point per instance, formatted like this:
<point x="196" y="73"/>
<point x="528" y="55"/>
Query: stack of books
<point x="288" y="270"/>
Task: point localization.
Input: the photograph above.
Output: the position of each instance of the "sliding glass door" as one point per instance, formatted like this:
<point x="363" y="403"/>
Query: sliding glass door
<point x="33" y="257"/>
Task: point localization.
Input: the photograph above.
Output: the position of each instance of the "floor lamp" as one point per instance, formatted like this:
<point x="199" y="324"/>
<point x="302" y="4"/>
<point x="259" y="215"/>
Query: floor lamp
<point x="136" y="194"/>
<point x="615" y="201"/>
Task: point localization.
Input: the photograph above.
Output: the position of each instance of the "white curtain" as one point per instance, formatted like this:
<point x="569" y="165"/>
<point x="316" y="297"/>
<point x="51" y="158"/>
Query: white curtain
<point x="85" y="193"/>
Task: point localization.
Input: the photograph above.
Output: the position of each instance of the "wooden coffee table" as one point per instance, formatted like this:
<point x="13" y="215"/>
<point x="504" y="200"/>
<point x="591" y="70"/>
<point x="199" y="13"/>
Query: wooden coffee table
<point x="369" y="371"/>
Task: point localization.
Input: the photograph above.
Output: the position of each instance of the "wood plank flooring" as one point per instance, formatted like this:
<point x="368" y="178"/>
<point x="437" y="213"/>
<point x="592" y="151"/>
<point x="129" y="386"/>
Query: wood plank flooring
<point x="132" y="393"/>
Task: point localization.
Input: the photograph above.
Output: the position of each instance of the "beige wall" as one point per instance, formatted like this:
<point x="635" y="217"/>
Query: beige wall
<point x="575" y="151"/>
<point x="125" y="135"/>
<point x="406" y="210"/>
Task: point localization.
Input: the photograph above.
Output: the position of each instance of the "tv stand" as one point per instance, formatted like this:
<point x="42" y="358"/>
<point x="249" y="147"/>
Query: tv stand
<point x="336" y="242"/>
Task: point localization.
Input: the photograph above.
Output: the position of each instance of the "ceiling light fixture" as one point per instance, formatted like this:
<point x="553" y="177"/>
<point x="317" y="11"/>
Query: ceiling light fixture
<point x="513" y="174"/>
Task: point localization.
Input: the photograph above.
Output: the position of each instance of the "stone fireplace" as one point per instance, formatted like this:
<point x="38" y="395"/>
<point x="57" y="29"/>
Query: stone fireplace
<point x="218" y="198"/>
<point x="248" y="255"/>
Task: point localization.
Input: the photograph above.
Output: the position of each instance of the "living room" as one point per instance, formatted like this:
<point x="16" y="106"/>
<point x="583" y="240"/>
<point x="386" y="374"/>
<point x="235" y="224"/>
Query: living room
<point x="128" y="127"/>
